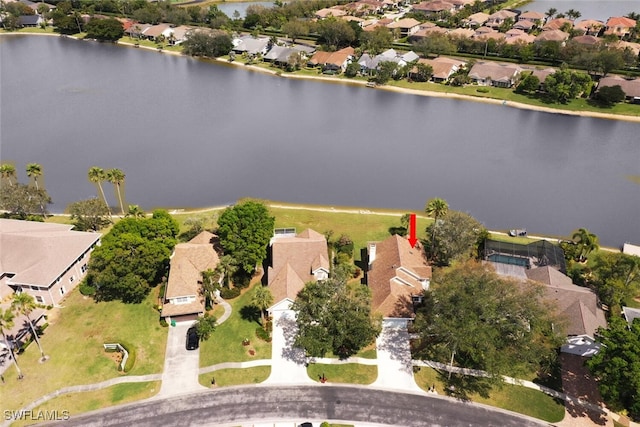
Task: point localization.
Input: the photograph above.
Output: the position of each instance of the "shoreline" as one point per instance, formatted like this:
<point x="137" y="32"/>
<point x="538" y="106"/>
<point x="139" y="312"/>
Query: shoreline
<point x="418" y="92"/>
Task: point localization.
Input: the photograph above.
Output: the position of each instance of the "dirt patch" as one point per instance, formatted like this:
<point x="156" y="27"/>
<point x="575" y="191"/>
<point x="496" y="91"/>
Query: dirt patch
<point x="116" y="356"/>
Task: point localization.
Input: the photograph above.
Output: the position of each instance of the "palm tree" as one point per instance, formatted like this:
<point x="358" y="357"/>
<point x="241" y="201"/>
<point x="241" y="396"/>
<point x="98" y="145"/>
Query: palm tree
<point x="587" y="242"/>
<point x="549" y="13"/>
<point x="573" y="14"/>
<point x="135" y="212"/>
<point x="8" y="172"/>
<point x="34" y="170"/>
<point x="116" y="177"/>
<point x="227" y="266"/>
<point x="6" y="323"/>
<point x="263" y="299"/>
<point x="24" y="303"/>
<point x="435" y="208"/>
<point x="97" y="175"/>
<point x="210" y="282"/>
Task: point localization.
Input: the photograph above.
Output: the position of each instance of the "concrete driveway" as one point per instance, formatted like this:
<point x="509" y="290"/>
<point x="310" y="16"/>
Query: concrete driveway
<point x="288" y="362"/>
<point x="181" y="366"/>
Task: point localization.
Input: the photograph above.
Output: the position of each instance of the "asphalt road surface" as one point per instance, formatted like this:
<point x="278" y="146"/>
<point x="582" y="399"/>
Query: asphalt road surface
<point x="261" y="404"/>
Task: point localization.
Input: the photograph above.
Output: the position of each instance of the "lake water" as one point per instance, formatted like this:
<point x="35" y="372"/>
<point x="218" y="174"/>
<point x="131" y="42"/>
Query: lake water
<point x="590" y="9"/>
<point x="192" y="133"/>
<point x="229" y="8"/>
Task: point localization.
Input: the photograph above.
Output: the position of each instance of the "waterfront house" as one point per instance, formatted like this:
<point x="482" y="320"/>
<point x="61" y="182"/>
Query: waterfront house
<point x="251" y="45"/>
<point x="630" y="87"/>
<point x="443" y="68"/>
<point x="494" y="74"/>
<point x="183" y="299"/>
<point x="332" y="61"/>
<point x="293" y="260"/>
<point x="44" y="260"/>
<point x="397" y="275"/>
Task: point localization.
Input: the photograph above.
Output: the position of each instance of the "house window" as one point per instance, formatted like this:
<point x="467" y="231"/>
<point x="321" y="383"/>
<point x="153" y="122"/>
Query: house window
<point x="35" y="288"/>
<point x="71" y="279"/>
<point x="181" y="300"/>
<point x="39" y="299"/>
<point x="62" y="290"/>
<point x="84" y="268"/>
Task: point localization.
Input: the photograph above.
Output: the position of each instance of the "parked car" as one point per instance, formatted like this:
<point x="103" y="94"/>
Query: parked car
<point x="193" y="341"/>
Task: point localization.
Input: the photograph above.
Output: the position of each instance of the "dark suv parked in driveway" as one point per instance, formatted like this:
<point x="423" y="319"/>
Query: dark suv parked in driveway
<point x="192" y="339"/>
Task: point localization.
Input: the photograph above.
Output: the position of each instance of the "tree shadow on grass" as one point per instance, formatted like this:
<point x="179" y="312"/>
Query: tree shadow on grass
<point x="250" y="313"/>
<point x="462" y="386"/>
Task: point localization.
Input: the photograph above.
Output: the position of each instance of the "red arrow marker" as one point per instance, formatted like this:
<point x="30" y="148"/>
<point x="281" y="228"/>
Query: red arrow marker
<point x="412" y="230"/>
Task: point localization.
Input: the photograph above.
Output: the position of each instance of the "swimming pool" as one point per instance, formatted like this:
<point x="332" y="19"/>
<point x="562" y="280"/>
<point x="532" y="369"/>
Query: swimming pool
<point x="509" y="259"/>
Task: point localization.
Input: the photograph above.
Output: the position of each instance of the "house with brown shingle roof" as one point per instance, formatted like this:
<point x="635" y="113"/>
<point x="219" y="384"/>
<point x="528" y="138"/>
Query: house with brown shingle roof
<point x="630" y="87"/>
<point x="558" y="24"/>
<point x="433" y="7"/>
<point x="397" y="275"/>
<point x="552" y="36"/>
<point x="590" y="27"/>
<point x="524" y="25"/>
<point x="183" y="299"/>
<point x="619" y="26"/>
<point x="332" y="61"/>
<point x="407" y="26"/>
<point x="498" y="18"/>
<point x="476" y="20"/>
<point x="331" y="11"/>
<point x="42" y="259"/>
<point x="531" y="16"/>
<point x="295" y="259"/>
<point x="579" y="306"/>
<point x="443" y="67"/>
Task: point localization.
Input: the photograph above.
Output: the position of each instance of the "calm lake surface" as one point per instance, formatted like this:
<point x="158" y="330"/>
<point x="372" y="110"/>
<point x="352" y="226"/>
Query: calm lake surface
<point x="191" y="133"/>
<point x="590" y="9"/>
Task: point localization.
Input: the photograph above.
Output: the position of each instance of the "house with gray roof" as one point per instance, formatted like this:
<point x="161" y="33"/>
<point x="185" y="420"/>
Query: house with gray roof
<point x="42" y="259"/>
<point x="369" y="65"/>
<point x="494" y="74"/>
<point x="630" y="87"/>
<point x="251" y="45"/>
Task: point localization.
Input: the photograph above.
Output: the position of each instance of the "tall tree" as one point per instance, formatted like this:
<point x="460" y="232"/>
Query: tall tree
<point x="6" y="323"/>
<point x="97" y="176"/>
<point x="116" y="177"/>
<point x="24" y="303"/>
<point x="245" y="230"/>
<point x="482" y="321"/>
<point x="89" y="215"/>
<point x="227" y="267"/>
<point x="205" y="326"/>
<point x="210" y="284"/>
<point x="436" y="208"/>
<point x="587" y="243"/>
<point x="334" y="318"/>
<point x="263" y="299"/>
<point x="8" y="172"/>
<point x="550" y="12"/>
<point x="617" y="366"/>
<point x="34" y="170"/>
<point x="22" y="201"/>
<point x="455" y="237"/>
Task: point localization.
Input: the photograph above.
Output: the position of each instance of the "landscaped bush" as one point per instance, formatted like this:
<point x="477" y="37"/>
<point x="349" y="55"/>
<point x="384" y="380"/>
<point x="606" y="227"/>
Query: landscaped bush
<point x="483" y="90"/>
<point x="227" y="293"/>
<point x="86" y="290"/>
<point x="163" y="322"/>
<point x="263" y="335"/>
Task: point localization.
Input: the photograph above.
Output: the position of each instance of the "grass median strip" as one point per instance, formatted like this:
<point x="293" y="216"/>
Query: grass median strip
<point x="230" y="377"/>
<point x="349" y="373"/>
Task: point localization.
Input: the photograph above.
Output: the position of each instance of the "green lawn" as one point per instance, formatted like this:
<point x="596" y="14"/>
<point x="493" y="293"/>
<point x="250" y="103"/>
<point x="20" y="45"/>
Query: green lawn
<point x="225" y="344"/>
<point x="510" y="397"/>
<point x="74" y="341"/>
<point x="349" y="373"/>
<point x="229" y="377"/>
<point x="77" y="403"/>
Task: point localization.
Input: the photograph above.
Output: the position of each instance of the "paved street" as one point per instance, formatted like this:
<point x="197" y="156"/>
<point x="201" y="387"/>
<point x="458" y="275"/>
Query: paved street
<point x="235" y="406"/>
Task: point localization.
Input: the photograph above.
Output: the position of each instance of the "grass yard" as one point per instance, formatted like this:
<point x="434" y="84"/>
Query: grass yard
<point x="74" y="341"/>
<point x="225" y="344"/>
<point x="510" y="397"/>
<point x="77" y="403"/>
<point x="349" y="373"/>
<point x="229" y="377"/>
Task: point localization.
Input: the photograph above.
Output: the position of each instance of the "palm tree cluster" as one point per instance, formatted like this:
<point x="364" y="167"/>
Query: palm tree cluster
<point x="586" y="242"/>
<point x="97" y="175"/>
<point x="23" y="304"/>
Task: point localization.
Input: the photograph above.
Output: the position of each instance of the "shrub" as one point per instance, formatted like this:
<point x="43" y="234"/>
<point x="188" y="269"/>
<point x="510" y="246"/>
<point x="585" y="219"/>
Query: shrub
<point x="483" y="90"/>
<point x="163" y="322"/>
<point x="268" y="326"/>
<point x="263" y="335"/>
<point x="227" y="293"/>
<point x="87" y="290"/>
